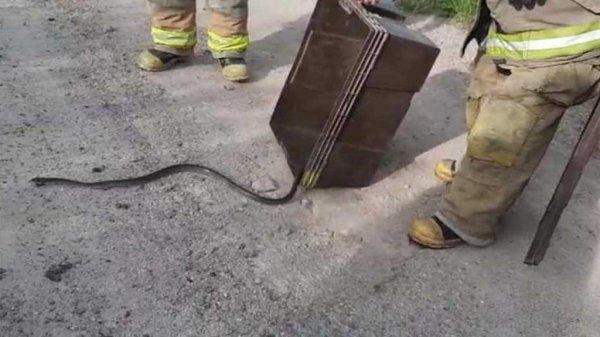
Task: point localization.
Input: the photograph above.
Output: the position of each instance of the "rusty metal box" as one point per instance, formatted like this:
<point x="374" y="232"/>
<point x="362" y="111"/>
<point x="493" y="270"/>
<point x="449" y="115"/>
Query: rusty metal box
<point x="347" y="93"/>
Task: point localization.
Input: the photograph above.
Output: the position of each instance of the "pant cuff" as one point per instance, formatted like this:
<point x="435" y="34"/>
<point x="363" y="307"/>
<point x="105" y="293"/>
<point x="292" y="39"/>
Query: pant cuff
<point x="220" y="55"/>
<point x="456" y="228"/>
<point x="175" y="51"/>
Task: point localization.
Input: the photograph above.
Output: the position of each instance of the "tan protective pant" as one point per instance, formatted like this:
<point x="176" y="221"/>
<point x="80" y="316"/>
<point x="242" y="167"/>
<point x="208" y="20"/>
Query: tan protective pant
<point x="174" y="26"/>
<point x="511" y="120"/>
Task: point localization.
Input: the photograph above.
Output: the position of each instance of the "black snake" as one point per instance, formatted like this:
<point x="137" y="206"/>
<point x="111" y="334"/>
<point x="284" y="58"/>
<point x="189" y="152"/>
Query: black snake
<point x="167" y="171"/>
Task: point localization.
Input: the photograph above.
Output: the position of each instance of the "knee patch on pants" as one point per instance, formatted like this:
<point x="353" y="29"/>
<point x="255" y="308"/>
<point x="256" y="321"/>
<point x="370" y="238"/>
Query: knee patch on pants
<point x="499" y="131"/>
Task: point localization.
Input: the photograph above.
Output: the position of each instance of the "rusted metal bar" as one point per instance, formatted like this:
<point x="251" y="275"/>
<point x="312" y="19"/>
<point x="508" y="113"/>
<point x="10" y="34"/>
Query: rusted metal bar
<point x="568" y="182"/>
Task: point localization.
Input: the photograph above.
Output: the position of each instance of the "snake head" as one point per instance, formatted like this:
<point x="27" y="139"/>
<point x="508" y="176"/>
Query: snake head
<point x="38" y="181"/>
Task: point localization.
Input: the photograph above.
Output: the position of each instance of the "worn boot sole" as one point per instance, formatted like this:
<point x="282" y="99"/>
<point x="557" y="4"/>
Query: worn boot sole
<point x="431" y="245"/>
<point x="166" y="66"/>
<point x="152" y="63"/>
<point x="238" y="79"/>
<point x="427" y="233"/>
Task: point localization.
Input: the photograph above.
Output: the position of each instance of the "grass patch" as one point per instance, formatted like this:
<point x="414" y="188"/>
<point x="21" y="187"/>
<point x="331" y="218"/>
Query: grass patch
<point x="462" y="11"/>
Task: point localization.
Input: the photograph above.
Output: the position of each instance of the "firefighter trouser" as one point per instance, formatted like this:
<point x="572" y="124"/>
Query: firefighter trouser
<point x="174" y="26"/>
<point x="511" y="120"/>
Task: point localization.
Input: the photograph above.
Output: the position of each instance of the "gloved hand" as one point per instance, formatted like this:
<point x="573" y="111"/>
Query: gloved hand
<point x="528" y="4"/>
<point x="369" y="2"/>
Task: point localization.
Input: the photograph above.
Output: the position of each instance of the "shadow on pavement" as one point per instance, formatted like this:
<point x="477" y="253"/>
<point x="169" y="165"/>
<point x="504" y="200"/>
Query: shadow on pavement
<point x="278" y="49"/>
<point x="435" y="117"/>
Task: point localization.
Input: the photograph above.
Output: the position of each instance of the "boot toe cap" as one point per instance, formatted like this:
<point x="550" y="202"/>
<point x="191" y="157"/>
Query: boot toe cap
<point x="427" y="232"/>
<point x="149" y="62"/>
<point x="236" y="72"/>
<point x="445" y="170"/>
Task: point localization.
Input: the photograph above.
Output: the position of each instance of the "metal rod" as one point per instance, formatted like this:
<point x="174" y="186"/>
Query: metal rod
<point x="564" y="190"/>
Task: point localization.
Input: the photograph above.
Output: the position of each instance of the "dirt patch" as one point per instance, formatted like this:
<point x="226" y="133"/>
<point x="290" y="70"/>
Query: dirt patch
<point x="56" y="271"/>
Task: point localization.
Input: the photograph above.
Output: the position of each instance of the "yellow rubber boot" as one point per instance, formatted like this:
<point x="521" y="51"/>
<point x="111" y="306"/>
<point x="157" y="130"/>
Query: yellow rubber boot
<point x="156" y="60"/>
<point x="234" y="69"/>
<point x="432" y="233"/>
<point x="445" y="170"/>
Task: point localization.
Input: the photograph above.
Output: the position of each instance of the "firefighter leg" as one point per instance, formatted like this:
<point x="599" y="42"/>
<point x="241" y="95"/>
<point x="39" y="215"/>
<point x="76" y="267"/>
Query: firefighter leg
<point x="173" y="33"/>
<point x="511" y="120"/>
<point x="228" y="36"/>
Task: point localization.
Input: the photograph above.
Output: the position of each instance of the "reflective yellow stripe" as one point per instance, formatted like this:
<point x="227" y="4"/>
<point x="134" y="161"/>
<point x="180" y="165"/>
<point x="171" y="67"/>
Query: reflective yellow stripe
<point x="224" y="44"/>
<point x="500" y="52"/>
<point x="544" y="44"/>
<point x="173" y="38"/>
<point x="551" y="33"/>
<point x="309" y="179"/>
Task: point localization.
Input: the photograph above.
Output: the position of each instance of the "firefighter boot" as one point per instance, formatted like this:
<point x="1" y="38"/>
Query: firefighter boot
<point x="156" y="60"/>
<point x="445" y="170"/>
<point x="432" y="233"/>
<point x="234" y="69"/>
